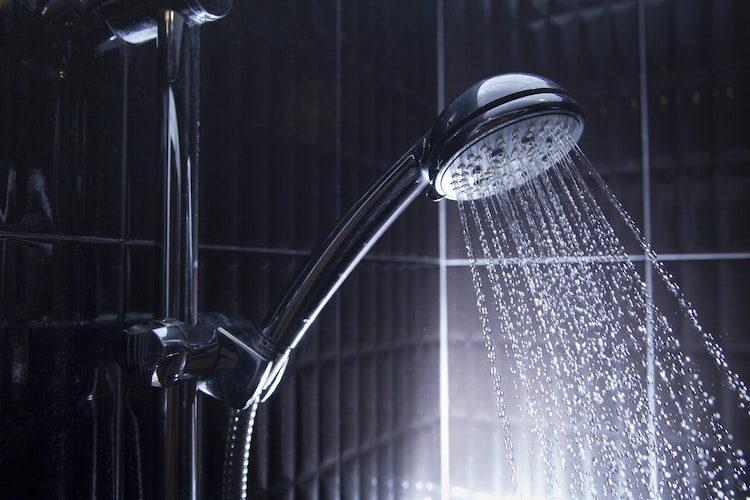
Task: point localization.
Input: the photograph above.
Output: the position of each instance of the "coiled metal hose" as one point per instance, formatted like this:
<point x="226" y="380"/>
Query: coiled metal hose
<point x="237" y="453"/>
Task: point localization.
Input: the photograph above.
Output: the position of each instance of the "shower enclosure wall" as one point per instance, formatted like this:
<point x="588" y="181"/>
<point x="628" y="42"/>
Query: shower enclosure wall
<point x="303" y="104"/>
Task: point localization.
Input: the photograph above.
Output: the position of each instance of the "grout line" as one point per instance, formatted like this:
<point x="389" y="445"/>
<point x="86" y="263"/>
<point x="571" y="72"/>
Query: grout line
<point x="671" y="257"/>
<point x="645" y="176"/>
<point x="338" y="169"/>
<point x="457" y="262"/>
<point x="123" y="289"/>
<point x="442" y="260"/>
<point x="700" y="256"/>
<point x="443" y="378"/>
<point x="253" y="249"/>
<point x="304" y="253"/>
<point x="54" y="238"/>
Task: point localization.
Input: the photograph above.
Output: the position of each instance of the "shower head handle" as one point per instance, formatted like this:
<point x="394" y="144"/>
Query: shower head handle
<point x="334" y="259"/>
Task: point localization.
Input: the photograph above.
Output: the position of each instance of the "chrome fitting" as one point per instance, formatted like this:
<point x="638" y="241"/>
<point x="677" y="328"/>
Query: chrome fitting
<point x="225" y="354"/>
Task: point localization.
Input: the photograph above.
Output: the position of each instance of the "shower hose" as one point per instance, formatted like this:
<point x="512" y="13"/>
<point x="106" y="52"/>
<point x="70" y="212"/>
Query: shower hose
<point x="237" y="453"/>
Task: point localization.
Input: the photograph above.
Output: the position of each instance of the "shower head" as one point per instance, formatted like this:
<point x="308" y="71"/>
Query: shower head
<point x="495" y="135"/>
<point x="499" y="133"/>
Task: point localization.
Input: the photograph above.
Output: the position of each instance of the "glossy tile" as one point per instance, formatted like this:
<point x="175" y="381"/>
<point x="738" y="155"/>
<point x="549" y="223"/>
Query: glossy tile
<point x="269" y="127"/>
<point x="303" y="107"/>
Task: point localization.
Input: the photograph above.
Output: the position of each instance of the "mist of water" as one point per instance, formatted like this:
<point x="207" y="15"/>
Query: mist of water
<point x="610" y="404"/>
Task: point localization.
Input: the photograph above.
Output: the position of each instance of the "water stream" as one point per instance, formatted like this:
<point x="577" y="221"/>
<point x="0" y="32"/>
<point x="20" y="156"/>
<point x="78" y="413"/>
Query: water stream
<point x="608" y="402"/>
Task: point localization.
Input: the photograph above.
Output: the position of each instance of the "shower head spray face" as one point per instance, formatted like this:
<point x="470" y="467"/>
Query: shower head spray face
<point x="507" y="157"/>
<point x="500" y="133"/>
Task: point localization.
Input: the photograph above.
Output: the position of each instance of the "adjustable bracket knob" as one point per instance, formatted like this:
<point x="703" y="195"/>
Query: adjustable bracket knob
<point x="166" y="351"/>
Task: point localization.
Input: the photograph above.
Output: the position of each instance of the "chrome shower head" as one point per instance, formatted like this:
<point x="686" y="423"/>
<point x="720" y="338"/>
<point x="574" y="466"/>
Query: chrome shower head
<point x="497" y="130"/>
<point x="499" y="133"/>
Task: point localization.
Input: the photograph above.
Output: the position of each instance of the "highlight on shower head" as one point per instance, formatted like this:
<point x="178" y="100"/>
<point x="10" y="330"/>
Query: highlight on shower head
<point x="499" y="133"/>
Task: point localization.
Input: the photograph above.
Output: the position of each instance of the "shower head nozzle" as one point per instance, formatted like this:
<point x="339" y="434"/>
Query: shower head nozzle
<point x="499" y="133"/>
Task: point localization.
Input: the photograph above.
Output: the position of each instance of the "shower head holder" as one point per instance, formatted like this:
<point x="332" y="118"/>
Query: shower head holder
<point x="223" y="353"/>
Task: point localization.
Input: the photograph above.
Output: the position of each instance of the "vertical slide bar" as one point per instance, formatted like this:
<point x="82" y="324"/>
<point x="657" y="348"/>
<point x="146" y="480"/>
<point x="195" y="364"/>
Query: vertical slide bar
<point x="175" y="407"/>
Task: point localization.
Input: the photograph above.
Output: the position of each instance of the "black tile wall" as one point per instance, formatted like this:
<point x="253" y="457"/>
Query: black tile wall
<point x="69" y="240"/>
<point x="269" y="126"/>
<point x="315" y="105"/>
<point x="304" y="105"/>
<point x="388" y="102"/>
